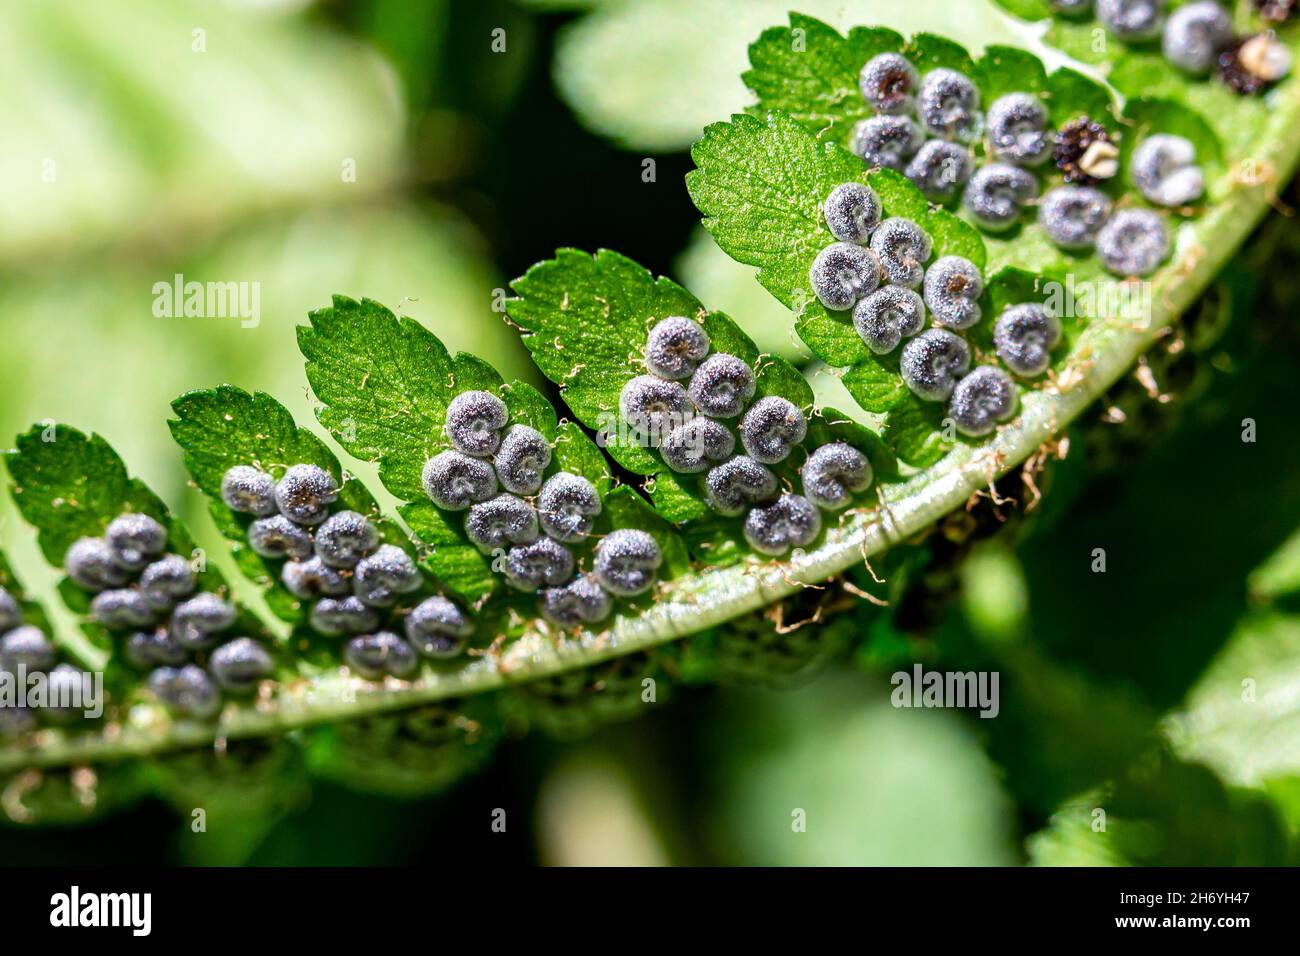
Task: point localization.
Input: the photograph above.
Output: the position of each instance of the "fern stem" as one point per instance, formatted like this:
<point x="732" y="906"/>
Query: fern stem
<point x="1105" y="351"/>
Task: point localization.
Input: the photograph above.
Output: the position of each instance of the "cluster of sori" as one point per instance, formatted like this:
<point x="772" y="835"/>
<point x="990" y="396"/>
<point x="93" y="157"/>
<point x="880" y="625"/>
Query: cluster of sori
<point x="496" y="472"/>
<point x="1017" y="137"/>
<point x="173" y="630"/>
<point x="25" y="651"/>
<point x="926" y="128"/>
<point x="336" y="561"/>
<point x="934" y="363"/>
<point x="1198" y="38"/>
<point x="686" y="423"/>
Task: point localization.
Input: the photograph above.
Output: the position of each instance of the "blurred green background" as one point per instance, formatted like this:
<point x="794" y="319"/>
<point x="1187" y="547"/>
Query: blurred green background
<point x="392" y="149"/>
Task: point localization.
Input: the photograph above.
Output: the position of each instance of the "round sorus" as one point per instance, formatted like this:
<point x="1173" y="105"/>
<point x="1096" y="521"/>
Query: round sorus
<point x="948" y="105"/>
<point x="1073" y="215"/>
<point x="887" y="142"/>
<point x="196" y="622"/>
<point x="933" y="362"/>
<point x="675" y="346"/>
<point x="522" y="459"/>
<point x="567" y="506"/>
<point x="500" y="522"/>
<point x="1024" y="336"/>
<point x="278" y="537"/>
<point x="581" y="601"/>
<point x="346" y="615"/>
<point x="998" y="192"/>
<point x="187" y="691"/>
<point x="888" y="83"/>
<point x="723" y="385"/>
<point x="887" y="316"/>
<point x="313" y="578"/>
<point x="940" y="169"/>
<point x="136" y="539"/>
<point x="626" y="561"/>
<point x="167" y="580"/>
<point x="1017" y="129"/>
<point x="90" y="564"/>
<point x="792" y="521"/>
<point x="345" y="538"/>
<point x="953" y="286"/>
<point x="376" y="655"/>
<point x="454" y="481"/>
<point x="304" y="494"/>
<point x="474" y="423"/>
<point x="380" y="578"/>
<point x="692" y="447"/>
<point x="250" y="490"/>
<point x="903" y="248"/>
<point x="852" y="211"/>
<point x="1131" y="20"/>
<point x="1194" y="35"/>
<point x="437" y="628"/>
<point x="833" y="474"/>
<point x="1133" y="242"/>
<point x="147" y="649"/>
<point x="771" y="428"/>
<point x="543" y="562"/>
<point x="736" y="483"/>
<point x="653" y="407"/>
<point x="239" y="664"/>
<point x="842" y="274"/>
<point x="1164" y="170"/>
<point x="122" y="608"/>
<point x="982" y="399"/>
<point x="27" y="647"/>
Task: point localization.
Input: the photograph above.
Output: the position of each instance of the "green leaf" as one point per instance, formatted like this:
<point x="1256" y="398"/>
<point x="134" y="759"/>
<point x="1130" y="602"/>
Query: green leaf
<point x="222" y="427"/>
<point x="912" y="431"/>
<point x="33" y="613"/>
<point x="932" y="52"/>
<point x="585" y="319"/>
<point x="1072" y="94"/>
<point x="1241" y="718"/>
<point x="1028" y="9"/>
<point x="650" y="75"/>
<point x="677" y="497"/>
<point x="385" y="383"/>
<point x="875" y="383"/>
<point x="69" y="485"/>
<point x="812" y="74"/>
<point x="1008" y="69"/>
<point x="760" y="184"/>
<point x="815" y="80"/>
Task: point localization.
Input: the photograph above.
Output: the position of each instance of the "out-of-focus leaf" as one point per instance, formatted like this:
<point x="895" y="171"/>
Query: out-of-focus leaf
<point x="231" y="112"/>
<point x="652" y="74"/>
<point x="873" y="784"/>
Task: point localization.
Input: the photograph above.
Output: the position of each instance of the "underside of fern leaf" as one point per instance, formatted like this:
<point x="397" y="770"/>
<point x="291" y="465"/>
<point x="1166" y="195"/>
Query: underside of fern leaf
<point x="384" y="384"/>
